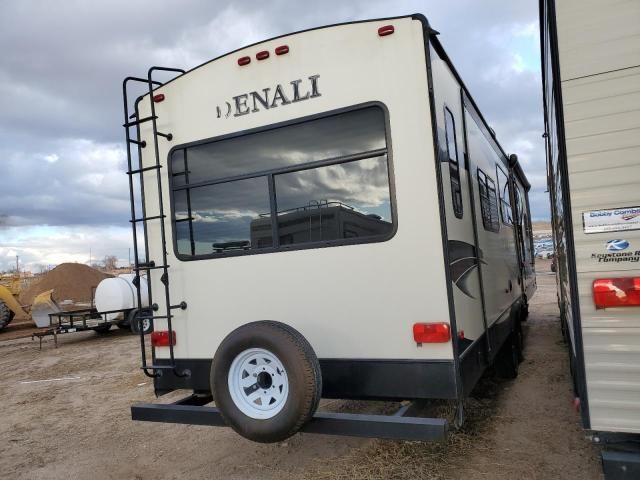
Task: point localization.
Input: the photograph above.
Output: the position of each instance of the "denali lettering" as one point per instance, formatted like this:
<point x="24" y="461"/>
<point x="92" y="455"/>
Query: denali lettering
<point x="280" y="96"/>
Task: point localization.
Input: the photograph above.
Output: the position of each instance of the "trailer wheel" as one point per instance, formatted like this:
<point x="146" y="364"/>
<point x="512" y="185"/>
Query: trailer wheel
<point x="519" y="339"/>
<point x="102" y="328"/>
<point x="146" y="324"/>
<point x="5" y="315"/>
<point x="524" y="314"/>
<point x="507" y="360"/>
<point x="266" y="381"/>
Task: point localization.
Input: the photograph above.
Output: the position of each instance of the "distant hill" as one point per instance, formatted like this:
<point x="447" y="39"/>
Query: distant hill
<point x="541" y="228"/>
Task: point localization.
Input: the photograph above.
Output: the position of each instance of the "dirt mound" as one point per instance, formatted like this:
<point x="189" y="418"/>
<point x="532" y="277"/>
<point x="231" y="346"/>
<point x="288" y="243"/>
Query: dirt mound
<point x="69" y="281"/>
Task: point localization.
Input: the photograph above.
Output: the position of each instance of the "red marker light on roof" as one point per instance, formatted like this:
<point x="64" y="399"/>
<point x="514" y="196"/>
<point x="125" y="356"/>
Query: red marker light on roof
<point x="282" y="49"/>
<point x="262" y="55"/>
<point x="158" y="97"/>
<point x="244" y="61"/>
<point x="386" y="30"/>
<point x="162" y="338"/>
<point x="431" y="332"/>
<point x="616" y="292"/>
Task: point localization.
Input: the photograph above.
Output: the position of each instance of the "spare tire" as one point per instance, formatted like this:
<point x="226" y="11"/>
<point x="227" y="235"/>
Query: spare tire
<point x="266" y="381"/>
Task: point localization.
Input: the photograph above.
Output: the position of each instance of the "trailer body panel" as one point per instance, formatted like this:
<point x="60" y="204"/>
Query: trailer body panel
<point x="591" y="75"/>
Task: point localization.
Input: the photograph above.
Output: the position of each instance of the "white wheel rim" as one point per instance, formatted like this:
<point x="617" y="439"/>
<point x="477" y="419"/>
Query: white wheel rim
<point x="258" y="383"/>
<point x="146" y="325"/>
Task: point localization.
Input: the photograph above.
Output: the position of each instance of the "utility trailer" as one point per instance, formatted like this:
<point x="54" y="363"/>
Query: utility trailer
<point x="85" y="319"/>
<point x="324" y="214"/>
<point x="78" y="320"/>
<point x="113" y="302"/>
<point x="591" y="86"/>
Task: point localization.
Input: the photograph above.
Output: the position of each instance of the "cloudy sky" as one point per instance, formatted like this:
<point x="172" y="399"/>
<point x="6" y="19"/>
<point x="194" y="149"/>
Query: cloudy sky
<point x="63" y="193"/>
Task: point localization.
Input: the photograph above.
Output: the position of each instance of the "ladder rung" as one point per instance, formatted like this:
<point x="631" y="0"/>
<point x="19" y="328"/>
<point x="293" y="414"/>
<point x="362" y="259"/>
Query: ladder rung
<point x="145" y="169"/>
<point x="141" y="143"/>
<point x="159" y="367"/>
<point x="168" y="136"/>
<point x="138" y="122"/>
<point x="178" y="220"/>
<point x="148" y="267"/>
<point x="144" y="219"/>
<point x="146" y="264"/>
<point x="152" y="317"/>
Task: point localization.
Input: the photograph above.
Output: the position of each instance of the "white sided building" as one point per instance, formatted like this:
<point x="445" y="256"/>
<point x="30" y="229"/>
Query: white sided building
<point x="326" y="214"/>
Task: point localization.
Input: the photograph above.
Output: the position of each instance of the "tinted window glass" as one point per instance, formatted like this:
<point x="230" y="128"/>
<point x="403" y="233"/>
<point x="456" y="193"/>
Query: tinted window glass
<point x="505" y="200"/>
<point x="241" y="181"/>
<point x="454" y="169"/>
<point x="222" y="216"/>
<point x="347" y="200"/>
<point x="321" y="139"/>
<point x="488" y="202"/>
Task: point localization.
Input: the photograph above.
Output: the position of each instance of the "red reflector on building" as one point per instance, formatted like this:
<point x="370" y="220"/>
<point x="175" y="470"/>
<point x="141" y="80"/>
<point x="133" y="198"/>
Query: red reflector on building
<point x="262" y="55"/>
<point x="386" y="30"/>
<point x="244" y="61"/>
<point x="161" y="338"/>
<point x="431" y="332"/>
<point x="616" y="292"/>
<point x="158" y="97"/>
<point x="282" y="49"/>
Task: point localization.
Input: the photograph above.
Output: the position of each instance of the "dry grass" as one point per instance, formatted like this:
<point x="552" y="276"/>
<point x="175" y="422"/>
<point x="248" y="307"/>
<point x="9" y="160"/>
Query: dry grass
<point x="395" y="460"/>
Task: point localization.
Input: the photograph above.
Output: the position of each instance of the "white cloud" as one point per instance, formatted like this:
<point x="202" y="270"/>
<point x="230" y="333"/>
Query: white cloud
<point x="44" y="246"/>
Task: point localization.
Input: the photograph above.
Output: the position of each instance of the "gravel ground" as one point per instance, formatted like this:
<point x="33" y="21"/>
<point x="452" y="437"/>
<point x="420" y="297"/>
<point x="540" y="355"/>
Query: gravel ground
<point x="66" y="416"/>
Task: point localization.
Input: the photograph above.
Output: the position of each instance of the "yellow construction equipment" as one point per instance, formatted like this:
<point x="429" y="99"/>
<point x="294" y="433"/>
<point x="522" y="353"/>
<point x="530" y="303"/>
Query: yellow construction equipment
<point x="10" y="308"/>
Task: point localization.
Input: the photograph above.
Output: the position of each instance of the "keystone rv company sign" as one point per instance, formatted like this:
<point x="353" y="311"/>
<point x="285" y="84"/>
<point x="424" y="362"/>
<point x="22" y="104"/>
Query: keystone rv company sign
<point x="252" y="102"/>
<point x="611" y="220"/>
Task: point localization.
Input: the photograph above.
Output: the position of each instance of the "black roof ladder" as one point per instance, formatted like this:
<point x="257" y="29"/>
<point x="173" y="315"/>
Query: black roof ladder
<point x="148" y="266"/>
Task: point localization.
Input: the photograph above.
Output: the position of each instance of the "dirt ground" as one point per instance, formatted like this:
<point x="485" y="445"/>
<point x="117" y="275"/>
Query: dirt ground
<point x="65" y="415"/>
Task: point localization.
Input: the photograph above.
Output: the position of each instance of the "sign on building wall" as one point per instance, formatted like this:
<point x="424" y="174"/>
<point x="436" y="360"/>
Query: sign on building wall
<point x="611" y="220"/>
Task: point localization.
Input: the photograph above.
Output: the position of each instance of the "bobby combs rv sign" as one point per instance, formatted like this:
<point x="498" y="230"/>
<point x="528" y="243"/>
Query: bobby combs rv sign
<point x="611" y="220"/>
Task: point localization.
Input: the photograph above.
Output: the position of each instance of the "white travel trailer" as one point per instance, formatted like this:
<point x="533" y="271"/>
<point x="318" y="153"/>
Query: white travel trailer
<point x="326" y="214"/>
<point x="591" y="73"/>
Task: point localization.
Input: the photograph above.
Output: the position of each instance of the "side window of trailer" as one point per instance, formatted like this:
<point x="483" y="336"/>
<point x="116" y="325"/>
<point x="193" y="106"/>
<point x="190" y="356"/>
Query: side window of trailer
<point x="505" y="199"/>
<point x="318" y="182"/>
<point x="454" y="166"/>
<point x="488" y="202"/>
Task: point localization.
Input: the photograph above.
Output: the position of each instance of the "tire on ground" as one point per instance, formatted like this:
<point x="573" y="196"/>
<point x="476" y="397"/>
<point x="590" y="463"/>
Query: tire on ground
<point x="519" y="339"/>
<point x="102" y="328"/>
<point x="524" y="314"/>
<point x="5" y="315"/>
<point x="278" y="344"/>
<point x="135" y="323"/>
<point x="507" y="360"/>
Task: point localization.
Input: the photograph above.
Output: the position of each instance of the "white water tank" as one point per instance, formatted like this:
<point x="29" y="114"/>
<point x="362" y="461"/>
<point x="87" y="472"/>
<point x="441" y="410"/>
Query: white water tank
<point x="119" y="293"/>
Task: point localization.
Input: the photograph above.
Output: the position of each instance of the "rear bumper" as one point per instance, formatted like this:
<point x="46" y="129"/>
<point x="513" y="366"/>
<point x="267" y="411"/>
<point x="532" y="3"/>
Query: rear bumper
<point x="621" y="465"/>
<point x="193" y="410"/>
<point x="343" y="378"/>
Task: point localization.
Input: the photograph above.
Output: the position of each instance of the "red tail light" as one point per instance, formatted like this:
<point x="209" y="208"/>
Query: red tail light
<point x="244" y="61"/>
<point x="282" y="49"/>
<point x="616" y="292"/>
<point x="161" y="338"/>
<point x="262" y="55"/>
<point x="158" y="97"/>
<point x="386" y="30"/>
<point x="431" y="332"/>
